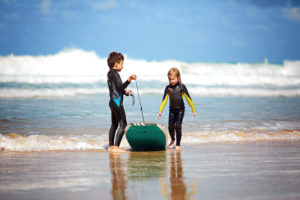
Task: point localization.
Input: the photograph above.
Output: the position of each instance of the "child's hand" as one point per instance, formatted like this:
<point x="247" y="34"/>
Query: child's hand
<point x="159" y="115"/>
<point x="127" y="92"/>
<point x="132" y="77"/>
<point x="195" y="114"/>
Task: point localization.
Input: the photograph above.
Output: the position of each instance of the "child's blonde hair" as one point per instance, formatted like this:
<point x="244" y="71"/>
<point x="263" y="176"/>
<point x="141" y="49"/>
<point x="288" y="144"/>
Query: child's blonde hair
<point x="174" y="72"/>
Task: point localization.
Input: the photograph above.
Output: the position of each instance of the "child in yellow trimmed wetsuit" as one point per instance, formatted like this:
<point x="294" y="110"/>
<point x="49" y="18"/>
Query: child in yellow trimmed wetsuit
<point x="175" y="90"/>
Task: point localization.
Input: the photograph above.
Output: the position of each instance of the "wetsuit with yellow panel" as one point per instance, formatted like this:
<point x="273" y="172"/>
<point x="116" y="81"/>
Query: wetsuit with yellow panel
<point x="176" y="113"/>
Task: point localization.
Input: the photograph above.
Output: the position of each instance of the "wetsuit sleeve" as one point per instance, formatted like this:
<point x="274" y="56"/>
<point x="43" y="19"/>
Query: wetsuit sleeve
<point x="120" y="86"/>
<point x="188" y="98"/>
<point x="164" y="100"/>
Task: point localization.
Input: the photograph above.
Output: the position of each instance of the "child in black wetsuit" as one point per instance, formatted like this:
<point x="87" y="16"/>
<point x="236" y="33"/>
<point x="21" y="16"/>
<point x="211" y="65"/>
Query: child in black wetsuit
<point x="175" y="90"/>
<point x="116" y="91"/>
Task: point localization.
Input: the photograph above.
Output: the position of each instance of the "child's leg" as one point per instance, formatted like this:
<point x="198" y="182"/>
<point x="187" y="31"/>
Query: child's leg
<point x="178" y="126"/>
<point x="123" y="124"/>
<point x="171" y="128"/>
<point x="171" y="144"/>
<point x="114" y="125"/>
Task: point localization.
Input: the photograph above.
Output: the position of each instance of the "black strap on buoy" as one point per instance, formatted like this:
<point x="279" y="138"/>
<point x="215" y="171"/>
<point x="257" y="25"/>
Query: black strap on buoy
<point x="137" y="88"/>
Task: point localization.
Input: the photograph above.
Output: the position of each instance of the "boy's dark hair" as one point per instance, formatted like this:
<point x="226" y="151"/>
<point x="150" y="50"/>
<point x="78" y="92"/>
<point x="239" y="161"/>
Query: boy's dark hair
<point x="113" y="58"/>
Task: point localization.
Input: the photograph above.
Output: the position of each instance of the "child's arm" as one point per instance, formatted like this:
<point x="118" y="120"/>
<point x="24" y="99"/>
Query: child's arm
<point x="132" y="77"/>
<point x="163" y="102"/>
<point x="189" y="99"/>
<point x="118" y="82"/>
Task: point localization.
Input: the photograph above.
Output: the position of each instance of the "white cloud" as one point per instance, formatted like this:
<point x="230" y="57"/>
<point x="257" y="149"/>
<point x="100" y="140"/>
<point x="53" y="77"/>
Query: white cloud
<point x="45" y="7"/>
<point x="104" y="5"/>
<point x="292" y="13"/>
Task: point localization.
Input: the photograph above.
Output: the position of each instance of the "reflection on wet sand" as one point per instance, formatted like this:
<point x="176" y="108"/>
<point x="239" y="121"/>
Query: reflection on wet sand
<point x="147" y="165"/>
<point x="178" y="188"/>
<point x="142" y="168"/>
<point x="119" y="177"/>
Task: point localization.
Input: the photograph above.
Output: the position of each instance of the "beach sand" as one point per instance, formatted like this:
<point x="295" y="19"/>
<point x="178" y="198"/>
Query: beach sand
<point x="252" y="170"/>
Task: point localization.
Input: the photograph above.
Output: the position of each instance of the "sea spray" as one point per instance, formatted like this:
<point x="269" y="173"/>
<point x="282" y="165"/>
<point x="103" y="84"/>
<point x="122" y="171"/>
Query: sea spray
<point x="75" y="71"/>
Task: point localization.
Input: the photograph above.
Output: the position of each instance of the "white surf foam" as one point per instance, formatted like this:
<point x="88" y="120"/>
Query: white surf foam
<point x="15" y="142"/>
<point x="76" y="66"/>
<point x="65" y="92"/>
<point x="83" y="65"/>
<point x="240" y="136"/>
<point x="194" y="91"/>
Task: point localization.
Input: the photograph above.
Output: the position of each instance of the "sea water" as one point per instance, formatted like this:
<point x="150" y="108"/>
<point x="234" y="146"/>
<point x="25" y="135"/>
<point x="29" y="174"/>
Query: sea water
<point x="55" y="119"/>
<point x="60" y="102"/>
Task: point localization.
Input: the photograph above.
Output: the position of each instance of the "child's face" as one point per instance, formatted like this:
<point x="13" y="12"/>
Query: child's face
<point x="119" y="66"/>
<point x="173" y="80"/>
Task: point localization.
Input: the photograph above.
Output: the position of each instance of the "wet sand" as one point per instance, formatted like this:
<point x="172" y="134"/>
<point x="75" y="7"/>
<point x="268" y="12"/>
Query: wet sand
<point x="261" y="170"/>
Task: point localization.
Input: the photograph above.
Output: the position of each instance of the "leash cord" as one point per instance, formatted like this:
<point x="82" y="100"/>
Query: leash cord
<point x="137" y="88"/>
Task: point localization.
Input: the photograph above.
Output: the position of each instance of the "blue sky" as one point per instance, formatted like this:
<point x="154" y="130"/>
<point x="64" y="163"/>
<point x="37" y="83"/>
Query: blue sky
<point x="186" y="30"/>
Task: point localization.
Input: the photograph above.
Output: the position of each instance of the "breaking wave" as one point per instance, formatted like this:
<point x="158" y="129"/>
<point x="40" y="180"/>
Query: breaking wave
<point x="75" y="71"/>
<point x="16" y="142"/>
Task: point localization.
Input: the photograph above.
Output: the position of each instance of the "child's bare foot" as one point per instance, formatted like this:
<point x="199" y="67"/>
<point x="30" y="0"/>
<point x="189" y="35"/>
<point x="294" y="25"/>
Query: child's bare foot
<point x="177" y="148"/>
<point x="118" y="150"/>
<point x="110" y="148"/>
<point x="170" y="146"/>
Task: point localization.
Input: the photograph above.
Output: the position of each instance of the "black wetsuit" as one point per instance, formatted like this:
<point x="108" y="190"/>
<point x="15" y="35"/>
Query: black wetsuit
<point x="177" y="108"/>
<point x="118" y="116"/>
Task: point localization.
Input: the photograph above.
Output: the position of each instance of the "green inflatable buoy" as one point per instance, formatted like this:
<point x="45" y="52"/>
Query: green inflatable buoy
<point x="146" y="137"/>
